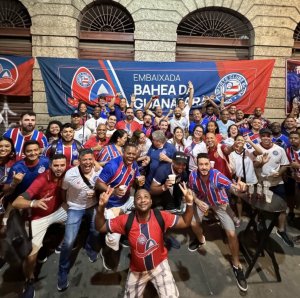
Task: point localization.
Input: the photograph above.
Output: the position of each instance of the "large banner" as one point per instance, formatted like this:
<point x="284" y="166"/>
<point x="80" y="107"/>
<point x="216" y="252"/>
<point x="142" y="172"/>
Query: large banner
<point x="243" y="83"/>
<point x="16" y="75"/>
<point x="292" y="83"/>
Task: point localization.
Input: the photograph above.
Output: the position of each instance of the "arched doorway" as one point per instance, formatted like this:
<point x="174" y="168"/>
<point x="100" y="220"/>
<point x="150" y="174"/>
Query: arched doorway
<point x="214" y="33"/>
<point x="15" y="39"/>
<point x="106" y="32"/>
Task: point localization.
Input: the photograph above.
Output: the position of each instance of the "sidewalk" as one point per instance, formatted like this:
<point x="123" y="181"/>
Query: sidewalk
<point x="200" y="274"/>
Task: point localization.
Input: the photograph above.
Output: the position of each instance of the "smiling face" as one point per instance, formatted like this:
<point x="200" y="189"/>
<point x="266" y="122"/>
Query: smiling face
<point x="129" y="155"/>
<point x="67" y="134"/>
<point x="203" y="166"/>
<point x="54" y="129"/>
<point x="233" y="131"/>
<point x="5" y="148"/>
<point x="210" y="140"/>
<point x="197" y="115"/>
<point x="86" y="162"/>
<point x="178" y="134"/>
<point x="32" y="152"/>
<point x="266" y="140"/>
<point x="101" y="131"/>
<point x="142" y="201"/>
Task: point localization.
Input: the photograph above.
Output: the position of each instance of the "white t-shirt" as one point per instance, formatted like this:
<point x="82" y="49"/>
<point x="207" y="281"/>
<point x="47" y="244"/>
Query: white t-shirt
<point x="192" y="150"/>
<point x="278" y="158"/>
<point x="236" y="164"/>
<point x="178" y="146"/>
<point x="93" y="123"/>
<point x="110" y="132"/>
<point x="182" y="122"/>
<point x="77" y="190"/>
<point x="82" y="134"/>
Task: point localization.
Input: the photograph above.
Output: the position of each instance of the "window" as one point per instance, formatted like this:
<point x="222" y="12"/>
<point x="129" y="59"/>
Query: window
<point x="106" y="32"/>
<point x="213" y="34"/>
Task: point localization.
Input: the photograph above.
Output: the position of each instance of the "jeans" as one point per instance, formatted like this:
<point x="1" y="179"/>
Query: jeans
<point x="72" y="227"/>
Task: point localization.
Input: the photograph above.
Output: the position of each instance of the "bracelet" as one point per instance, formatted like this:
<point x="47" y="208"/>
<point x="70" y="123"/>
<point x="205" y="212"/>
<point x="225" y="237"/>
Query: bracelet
<point x="189" y="204"/>
<point x="31" y="203"/>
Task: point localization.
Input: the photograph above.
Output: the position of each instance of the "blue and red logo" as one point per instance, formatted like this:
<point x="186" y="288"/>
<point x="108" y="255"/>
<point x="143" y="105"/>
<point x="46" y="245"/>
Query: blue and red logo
<point x="232" y="86"/>
<point x="8" y="74"/>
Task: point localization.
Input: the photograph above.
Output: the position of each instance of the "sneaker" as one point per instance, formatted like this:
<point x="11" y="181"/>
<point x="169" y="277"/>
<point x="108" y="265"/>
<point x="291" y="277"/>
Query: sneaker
<point x="28" y="290"/>
<point x="105" y="265"/>
<point x="42" y="261"/>
<point x="196" y="244"/>
<point x="285" y="238"/>
<point x="240" y="278"/>
<point x="62" y="283"/>
<point x="57" y="250"/>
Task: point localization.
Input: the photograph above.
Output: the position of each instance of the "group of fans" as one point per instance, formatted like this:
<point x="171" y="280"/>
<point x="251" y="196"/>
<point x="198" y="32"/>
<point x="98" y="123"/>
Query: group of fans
<point x="132" y="174"/>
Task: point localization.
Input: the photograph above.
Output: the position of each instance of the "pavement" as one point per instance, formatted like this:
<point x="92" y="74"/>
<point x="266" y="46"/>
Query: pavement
<point x="204" y="273"/>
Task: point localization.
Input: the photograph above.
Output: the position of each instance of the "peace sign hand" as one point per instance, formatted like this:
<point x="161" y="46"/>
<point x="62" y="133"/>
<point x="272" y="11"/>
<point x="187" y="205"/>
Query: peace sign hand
<point x="104" y="197"/>
<point x="188" y="195"/>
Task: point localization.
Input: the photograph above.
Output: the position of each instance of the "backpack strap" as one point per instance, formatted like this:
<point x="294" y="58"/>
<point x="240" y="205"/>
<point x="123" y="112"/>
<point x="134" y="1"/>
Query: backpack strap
<point x="159" y="219"/>
<point x="157" y="215"/>
<point x="129" y="222"/>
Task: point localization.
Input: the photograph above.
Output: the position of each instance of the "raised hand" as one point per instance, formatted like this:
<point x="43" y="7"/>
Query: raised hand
<point x="188" y="194"/>
<point x="17" y="177"/>
<point x="190" y="85"/>
<point x="240" y="185"/>
<point x="133" y="98"/>
<point x="265" y="157"/>
<point x="42" y="202"/>
<point x="104" y="197"/>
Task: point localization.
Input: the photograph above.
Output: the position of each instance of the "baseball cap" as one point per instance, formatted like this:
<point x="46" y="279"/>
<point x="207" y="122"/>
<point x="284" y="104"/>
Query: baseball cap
<point x="75" y="114"/>
<point x="180" y="157"/>
<point x="265" y="131"/>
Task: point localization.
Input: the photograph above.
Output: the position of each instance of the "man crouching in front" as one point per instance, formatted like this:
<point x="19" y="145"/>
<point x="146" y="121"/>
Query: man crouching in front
<point x="145" y="229"/>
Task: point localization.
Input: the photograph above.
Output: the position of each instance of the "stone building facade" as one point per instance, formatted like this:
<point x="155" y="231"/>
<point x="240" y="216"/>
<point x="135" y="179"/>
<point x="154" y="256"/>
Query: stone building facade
<point x="55" y="32"/>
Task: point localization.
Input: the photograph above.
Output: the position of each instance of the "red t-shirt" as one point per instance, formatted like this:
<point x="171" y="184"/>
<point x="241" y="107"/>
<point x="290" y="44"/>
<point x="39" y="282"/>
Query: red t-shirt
<point x="145" y="239"/>
<point x="94" y="141"/>
<point x="129" y="127"/>
<point x="220" y="163"/>
<point x="44" y="186"/>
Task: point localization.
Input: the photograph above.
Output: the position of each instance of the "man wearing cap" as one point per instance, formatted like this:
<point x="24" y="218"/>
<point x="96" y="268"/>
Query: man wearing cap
<point x="165" y="183"/>
<point x="81" y="133"/>
<point x="270" y="168"/>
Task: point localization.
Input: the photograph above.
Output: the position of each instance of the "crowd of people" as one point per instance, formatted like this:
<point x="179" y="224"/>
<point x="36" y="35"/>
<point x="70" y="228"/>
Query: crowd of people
<point x="133" y="174"/>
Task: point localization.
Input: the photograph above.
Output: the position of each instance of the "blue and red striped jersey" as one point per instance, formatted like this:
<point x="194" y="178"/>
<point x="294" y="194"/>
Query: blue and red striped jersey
<point x="213" y="191"/>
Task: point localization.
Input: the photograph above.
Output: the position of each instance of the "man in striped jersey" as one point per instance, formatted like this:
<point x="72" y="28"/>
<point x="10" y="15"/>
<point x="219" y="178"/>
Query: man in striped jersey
<point x="209" y="186"/>
<point x="119" y="173"/>
<point x="24" y="133"/>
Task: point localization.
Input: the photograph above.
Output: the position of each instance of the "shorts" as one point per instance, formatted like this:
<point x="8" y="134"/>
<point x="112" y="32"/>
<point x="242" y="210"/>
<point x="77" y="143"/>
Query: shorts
<point x="39" y="227"/>
<point x="112" y="240"/>
<point x="161" y="277"/>
<point x="221" y="211"/>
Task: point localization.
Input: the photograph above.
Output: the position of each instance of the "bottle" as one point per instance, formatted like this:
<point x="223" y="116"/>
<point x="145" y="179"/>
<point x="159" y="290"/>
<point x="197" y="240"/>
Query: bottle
<point x="259" y="189"/>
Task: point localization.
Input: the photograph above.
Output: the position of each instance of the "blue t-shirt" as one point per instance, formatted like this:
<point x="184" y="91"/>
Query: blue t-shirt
<point x="118" y="113"/>
<point x="203" y="122"/>
<point x="30" y="174"/>
<point x="116" y="173"/>
<point x="154" y="153"/>
<point x="282" y="141"/>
